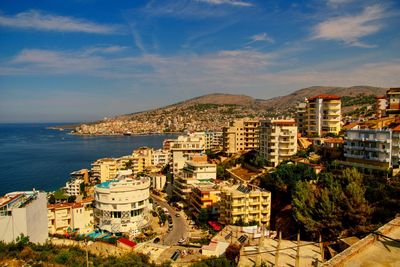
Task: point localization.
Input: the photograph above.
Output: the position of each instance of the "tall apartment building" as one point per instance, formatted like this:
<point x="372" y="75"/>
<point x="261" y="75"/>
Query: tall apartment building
<point x="122" y="204"/>
<point x="73" y="187"/>
<point x="278" y="140"/>
<point x="195" y="171"/>
<point x="104" y="169"/>
<point x="323" y="114"/>
<point x="301" y="118"/>
<point x="184" y="148"/>
<point x="160" y="157"/>
<point x="243" y="204"/>
<point x="66" y="217"/>
<point x="241" y="135"/>
<point x="380" y="106"/>
<point x="23" y="213"/>
<point x="213" y="140"/>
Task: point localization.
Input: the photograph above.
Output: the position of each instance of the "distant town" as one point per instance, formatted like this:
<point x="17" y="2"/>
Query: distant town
<point x="240" y="188"/>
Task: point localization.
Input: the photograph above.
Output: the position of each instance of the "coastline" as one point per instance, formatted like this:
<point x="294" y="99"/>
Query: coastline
<point x="132" y="134"/>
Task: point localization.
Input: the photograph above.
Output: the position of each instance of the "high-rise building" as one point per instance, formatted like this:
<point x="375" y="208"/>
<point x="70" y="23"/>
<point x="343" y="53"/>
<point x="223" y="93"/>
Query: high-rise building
<point x="393" y="98"/>
<point x="323" y="115"/>
<point x="104" y="169"/>
<point x="278" y="140"/>
<point x="23" y="213"/>
<point x="205" y="197"/>
<point x="301" y="118"/>
<point x="241" y="135"/>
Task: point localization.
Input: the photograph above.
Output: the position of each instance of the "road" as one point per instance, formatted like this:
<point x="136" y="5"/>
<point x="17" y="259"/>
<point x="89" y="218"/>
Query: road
<point x="180" y="228"/>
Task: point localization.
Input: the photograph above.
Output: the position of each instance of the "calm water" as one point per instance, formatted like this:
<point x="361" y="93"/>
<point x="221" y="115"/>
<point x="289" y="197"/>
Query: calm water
<point x="32" y="156"/>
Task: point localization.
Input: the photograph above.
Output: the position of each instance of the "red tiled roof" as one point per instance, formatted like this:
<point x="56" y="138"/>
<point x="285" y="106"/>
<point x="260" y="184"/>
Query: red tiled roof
<point x="325" y="97"/>
<point x="127" y="242"/>
<point x="284" y="123"/>
<point x="380" y="97"/>
<point x="333" y="140"/>
<point x="396" y="129"/>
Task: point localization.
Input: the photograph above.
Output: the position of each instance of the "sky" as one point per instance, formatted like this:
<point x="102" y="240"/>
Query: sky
<point x="83" y="60"/>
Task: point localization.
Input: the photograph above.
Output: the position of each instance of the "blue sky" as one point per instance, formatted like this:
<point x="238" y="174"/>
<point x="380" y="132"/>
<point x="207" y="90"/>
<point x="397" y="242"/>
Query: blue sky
<point x="84" y="60"/>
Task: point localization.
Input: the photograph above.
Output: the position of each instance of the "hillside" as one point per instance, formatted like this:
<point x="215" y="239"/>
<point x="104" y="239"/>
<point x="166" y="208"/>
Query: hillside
<point x="213" y="111"/>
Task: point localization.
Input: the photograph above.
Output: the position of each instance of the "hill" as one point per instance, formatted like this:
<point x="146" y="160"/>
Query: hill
<point x="213" y="111"/>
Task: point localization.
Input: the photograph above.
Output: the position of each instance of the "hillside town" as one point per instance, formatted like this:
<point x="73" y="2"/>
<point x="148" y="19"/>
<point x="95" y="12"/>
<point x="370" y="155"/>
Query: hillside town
<point x="315" y="189"/>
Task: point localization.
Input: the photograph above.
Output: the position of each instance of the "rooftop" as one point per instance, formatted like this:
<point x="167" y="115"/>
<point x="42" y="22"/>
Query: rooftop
<point x="324" y="97"/>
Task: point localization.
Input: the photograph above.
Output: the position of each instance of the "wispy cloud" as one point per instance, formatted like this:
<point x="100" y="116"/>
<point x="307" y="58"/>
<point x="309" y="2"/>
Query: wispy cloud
<point x="106" y="49"/>
<point x="41" y="21"/>
<point x="227" y="2"/>
<point x="350" y="29"/>
<point x="262" y="37"/>
<point x="337" y="3"/>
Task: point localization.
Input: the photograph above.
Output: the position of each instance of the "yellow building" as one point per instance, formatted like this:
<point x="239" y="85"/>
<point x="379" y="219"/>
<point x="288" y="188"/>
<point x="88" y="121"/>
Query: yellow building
<point x="278" y="140"/>
<point x="241" y="135"/>
<point x="104" y="169"/>
<point x="323" y="114"/>
<point x="205" y="197"/>
<point x="243" y="204"/>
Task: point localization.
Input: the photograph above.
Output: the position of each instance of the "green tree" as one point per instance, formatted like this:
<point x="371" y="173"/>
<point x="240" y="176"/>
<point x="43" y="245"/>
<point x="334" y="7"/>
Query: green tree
<point x="71" y="199"/>
<point x="52" y="199"/>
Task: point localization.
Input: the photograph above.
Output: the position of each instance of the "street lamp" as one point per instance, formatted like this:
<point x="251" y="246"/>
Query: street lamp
<point x="87" y="252"/>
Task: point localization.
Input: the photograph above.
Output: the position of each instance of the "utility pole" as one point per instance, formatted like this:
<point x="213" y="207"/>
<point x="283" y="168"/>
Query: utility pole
<point x="321" y="247"/>
<point x="298" y="250"/>
<point x="260" y="244"/>
<point x="277" y="249"/>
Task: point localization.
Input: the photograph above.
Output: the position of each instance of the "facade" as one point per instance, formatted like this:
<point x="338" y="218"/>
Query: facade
<point x="380" y="106"/>
<point x="205" y="197"/>
<point x="81" y="174"/>
<point x="301" y="118"/>
<point x="278" y="140"/>
<point x="393" y="98"/>
<point x="184" y="148"/>
<point x="23" y="213"/>
<point x="68" y="217"/>
<point x="323" y="115"/>
<point x="73" y="187"/>
<point x="104" y="169"/>
<point x="241" y="135"/>
<point x="213" y="140"/>
<point x="195" y="171"/>
<point x="122" y="205"/>
<point x="157" y="181"/>
<point x="242" y="204"/>
<point x="160" y="157"/>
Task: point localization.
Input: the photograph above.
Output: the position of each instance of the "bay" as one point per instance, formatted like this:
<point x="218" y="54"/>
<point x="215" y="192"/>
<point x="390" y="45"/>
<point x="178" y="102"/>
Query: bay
<point x="32" y="156"/>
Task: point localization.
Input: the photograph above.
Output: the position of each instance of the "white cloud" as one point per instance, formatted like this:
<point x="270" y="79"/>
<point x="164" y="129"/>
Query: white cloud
<point x="38" y="20"/>
<point x="262" y="37"/>
<point x="336" y="3"/>
<point x="349" y="29"/>
<point x="106" y="49"/>
<point x="227" y="2"/>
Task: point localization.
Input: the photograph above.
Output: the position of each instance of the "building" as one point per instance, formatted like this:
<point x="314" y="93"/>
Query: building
<point x="81" y="174"/>
<point x="278" y="140"/>
<point x="23" y="213"/>
<point x="104" y="169"/>
<point x="241" y="135"/>
<point x="301" y="118"/>
<point x="213" y="140"/>
<point x="393" y="98"/>
<point x="71" y="217"/>
<point x="184" y="148"/>
<point x="122" y="204"/>
<point x="323" y="115"/>
<point x="206" y="196"/>
<point x="157" y="181"/>
<point x="160" y="157"/>
<point x="241" y="204"/>
<point x="73" y="187"/>
<point x="380" y="106"/>
<point x="196" y="171"/>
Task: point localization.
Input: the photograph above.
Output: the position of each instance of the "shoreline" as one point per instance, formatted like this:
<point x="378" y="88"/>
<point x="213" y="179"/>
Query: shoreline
<point x="132" y="134"/>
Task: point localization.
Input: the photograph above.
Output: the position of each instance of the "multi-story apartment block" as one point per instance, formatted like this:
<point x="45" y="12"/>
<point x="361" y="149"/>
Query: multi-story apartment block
<point x="104" y="169"/>
<point x="323" y="114"/>
<point x="205" y="196"/>
<point x="23" y="213"/>
<point x="243" y="204"/>
<point x="122" y="204"/>
<point x="160" y="157"/>
<point x="241" y="135"/>
<point x="301" y="118"/>
<point x="73" y="187"/>
<point x="380" y="106"/>
<point x="81" y="174"/>
<point x="196" y="171"/>
<point x="278" y="140"/>
<point x="184" y="148"/>
<point x="393" y="98"/>
<point x="213" y="140"/>
<point x="70" y="217"/>
<point x="157" y="181"/>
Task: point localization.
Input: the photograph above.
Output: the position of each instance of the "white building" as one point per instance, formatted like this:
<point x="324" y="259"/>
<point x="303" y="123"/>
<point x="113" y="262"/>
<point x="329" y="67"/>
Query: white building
<point x="122" y="204"/>
<point x="73" y="187"/>
<point x="213" y="140"/>
<point x="160" y="157"/>
<point x="195" y="171"/>
<point x="23" y="213"/>
<point x="241" y="135"/>
<point x="158" y="181"/>
<point x="184" y="148"/>
<point x="278" y="140"/>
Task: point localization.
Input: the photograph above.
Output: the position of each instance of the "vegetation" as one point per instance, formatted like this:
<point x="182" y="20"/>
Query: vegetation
<point x="360" y="99"/>
<point x="214" y="262"/>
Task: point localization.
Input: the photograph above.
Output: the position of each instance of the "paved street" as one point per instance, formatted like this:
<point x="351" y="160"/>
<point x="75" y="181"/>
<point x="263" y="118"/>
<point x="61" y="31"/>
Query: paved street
<point x="180" y="227"/>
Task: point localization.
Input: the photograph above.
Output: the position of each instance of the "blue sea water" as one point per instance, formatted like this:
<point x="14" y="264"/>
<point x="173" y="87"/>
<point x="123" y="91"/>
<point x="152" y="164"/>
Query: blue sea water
<point x="32" y="156"/>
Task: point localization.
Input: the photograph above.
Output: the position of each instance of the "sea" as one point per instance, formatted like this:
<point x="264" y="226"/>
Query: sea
<point x="33" y="156"/>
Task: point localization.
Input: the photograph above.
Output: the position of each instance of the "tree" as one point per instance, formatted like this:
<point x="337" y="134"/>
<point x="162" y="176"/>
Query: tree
<point x="232" y="252"/>
<point x="71" y="199"/>
<point x="82" y="187"/>
<point x="203" y="216"/>
<point x="52" y="199"/>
